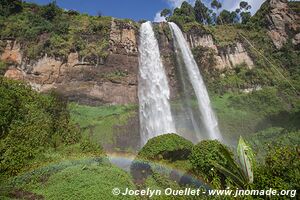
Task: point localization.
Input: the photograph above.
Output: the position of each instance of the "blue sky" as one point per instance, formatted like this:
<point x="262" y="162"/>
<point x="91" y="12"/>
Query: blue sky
<point x="134" y="9"/>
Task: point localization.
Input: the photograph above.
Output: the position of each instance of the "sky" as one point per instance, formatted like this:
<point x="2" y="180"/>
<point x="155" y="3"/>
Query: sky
<point x="135" y="9"/>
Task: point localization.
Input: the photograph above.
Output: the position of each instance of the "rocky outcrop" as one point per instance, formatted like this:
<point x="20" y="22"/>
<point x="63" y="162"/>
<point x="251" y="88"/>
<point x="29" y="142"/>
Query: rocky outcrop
<point x="226" y="57"/>
<point x="282" y="23"/>
<point x="112" y="82"/>
<point x="12" y="53"/>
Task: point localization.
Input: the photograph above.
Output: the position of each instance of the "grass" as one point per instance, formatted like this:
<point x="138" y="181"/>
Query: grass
<point x="99" y="122"/>
<point x="90" y="178"/>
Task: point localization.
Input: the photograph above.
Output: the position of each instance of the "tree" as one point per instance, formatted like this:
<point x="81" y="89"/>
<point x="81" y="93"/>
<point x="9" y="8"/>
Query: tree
<point x="165" y="12"/>
<point x="202" y="13"/>
<point x="9" y="7"/>
<point x="244" y="5"/>
<point x="50" y="11"/>
<point x="243" y="11"/>
<point x="182" y="15"/>
<point x="215" y="4"/>
<point x="227" y="17"/>
<point x="245" y="17"/>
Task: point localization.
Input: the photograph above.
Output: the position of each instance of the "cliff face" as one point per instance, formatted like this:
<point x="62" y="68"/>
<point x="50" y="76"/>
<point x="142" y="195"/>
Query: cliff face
<point x="283" y="23"/>
<point x="114" y="79"/>
<point x="226" y="57"/>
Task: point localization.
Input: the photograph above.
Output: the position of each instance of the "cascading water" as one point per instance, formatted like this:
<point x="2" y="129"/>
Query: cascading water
<point x="208" y="117"/>
<point x="153" y="89"/>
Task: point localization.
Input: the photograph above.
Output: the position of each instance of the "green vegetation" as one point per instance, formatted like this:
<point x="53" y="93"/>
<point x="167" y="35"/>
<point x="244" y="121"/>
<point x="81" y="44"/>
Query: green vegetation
<point x="167" y="146"/>
<point x="39" y="122"/>
<point x="49" y="29"/>
<point x="208" y="157"/>
<point x="280" y="171"/>
<point x="274" y="136"/>
<point x="73" y="179"/>
<point x="153" y="163"/>
<point x="3" y="68"/>
<point x="101" y="123"/>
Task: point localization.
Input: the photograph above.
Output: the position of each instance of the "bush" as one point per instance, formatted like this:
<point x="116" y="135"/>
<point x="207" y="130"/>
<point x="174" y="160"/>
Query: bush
<point x="3" y="68"/>
<point x="203" y="157"/>
<point x="9" y="7"/>
<point x="266" y="101"/>
<point x="168" y="147"/>
<point x="281" y="170"/>
<point x="30" y="123"/>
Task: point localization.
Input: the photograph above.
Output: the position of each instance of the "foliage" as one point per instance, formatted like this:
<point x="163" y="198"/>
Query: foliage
<point x="79" y="179"/>
<point x="182" y="15"/>
<point x="101" y="123"/>
<point x="259" y="19"/>
<point x="38" y="121"/>
<point x="9" y="7"/>
<point x="49" y="29"/>
<point x="274" y="136"/>
<point x="281" y="169"/>
<point x="264" y="101"/>
<point x="227" y="17"/>
<point x="202" y="13"/>
<point x="207" y="154"/>
<point x="167" y="146"/>
<point x="165" y="12"/>
<point x="246" y="16"/>
<point x="3" y="68"/>
<point x="246" y="158"/>
<point x="50" y="11"/>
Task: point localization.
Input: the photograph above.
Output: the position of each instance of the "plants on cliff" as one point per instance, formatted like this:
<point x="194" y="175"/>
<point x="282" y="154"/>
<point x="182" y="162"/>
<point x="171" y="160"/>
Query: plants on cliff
<point x="50" y="30"/>
<point x="266" y="101"/>
<point x="272" y="137"/>
<point x="9" y="7"/>
<point x="3" y="68"/>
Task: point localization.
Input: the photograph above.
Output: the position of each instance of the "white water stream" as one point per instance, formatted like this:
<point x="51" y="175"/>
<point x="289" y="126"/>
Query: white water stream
<point x="208" y="117"/>
<point x="153" y="89"/>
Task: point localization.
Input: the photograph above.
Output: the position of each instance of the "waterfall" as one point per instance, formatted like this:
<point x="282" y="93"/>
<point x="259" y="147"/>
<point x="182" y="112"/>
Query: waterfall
<point x="208" y="117"/>
<point x="153" y="89"/>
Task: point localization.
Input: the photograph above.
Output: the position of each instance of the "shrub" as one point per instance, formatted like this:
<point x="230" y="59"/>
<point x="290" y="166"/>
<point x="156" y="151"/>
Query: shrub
<point x="203" y="157"/>
<point x="30" y="123"/>
<point x="168" y="147"/>
<point x="281" y="169"/>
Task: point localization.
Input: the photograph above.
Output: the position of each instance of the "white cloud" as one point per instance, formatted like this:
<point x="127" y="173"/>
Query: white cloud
<point x="159" y="18"/>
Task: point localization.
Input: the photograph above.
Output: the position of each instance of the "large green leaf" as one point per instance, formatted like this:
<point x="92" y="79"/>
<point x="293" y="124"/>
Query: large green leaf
<point x="246" y="158"/>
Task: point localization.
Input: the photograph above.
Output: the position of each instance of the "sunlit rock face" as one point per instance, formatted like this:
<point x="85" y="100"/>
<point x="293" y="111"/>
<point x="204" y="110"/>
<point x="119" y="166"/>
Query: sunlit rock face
<point x="111" y="81"/>
<point x="282" y="23"/>
<point x="226" y="57"/>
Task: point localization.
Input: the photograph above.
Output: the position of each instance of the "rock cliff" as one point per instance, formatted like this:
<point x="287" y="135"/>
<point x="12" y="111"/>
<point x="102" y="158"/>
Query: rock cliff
<point x="114" y="79"/>
<point x="283" y="23"/>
